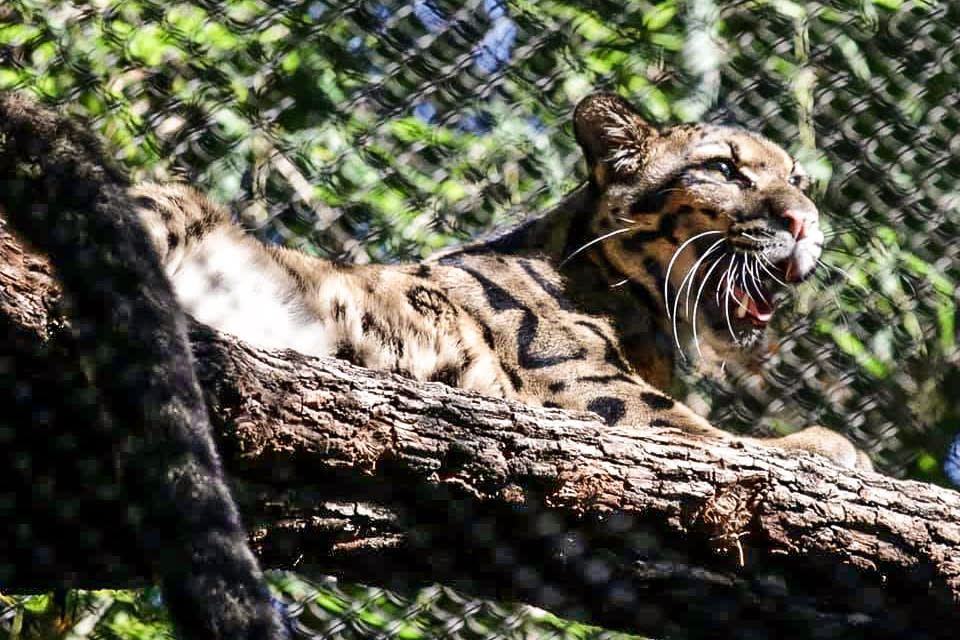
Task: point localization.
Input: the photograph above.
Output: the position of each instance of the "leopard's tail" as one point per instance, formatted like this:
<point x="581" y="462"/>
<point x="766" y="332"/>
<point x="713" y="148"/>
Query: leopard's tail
<point x="61" y="193"/>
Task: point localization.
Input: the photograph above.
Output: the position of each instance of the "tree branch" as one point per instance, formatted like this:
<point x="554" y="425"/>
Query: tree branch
<point x="388" y="481"/>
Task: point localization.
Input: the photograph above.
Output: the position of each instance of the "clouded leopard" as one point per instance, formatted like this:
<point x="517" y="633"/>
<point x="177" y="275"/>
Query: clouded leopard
<point x="681" y="236"/>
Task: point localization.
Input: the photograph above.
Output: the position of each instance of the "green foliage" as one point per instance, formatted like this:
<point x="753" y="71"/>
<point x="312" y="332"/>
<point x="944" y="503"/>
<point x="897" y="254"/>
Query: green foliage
<point x="327" y="608"/>
<point x="100" y="615"/>
<point x="434" y="611"/>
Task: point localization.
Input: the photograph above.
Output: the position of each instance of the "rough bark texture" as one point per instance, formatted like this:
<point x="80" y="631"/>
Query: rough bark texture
<point x="387" y="481"/>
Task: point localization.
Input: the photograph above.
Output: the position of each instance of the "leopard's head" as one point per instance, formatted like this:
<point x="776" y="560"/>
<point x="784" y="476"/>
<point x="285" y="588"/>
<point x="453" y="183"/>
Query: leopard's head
<point x="712" y="221"/>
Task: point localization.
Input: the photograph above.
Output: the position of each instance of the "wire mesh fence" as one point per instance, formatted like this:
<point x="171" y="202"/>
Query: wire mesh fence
<point x="384" y="130"/>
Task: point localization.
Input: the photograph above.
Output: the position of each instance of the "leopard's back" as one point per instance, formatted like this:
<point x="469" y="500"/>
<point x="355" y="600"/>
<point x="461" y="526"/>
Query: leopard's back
<point x="584" y="307"/>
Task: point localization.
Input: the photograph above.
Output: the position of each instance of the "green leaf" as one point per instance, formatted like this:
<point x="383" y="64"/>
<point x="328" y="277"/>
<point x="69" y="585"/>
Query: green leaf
<point x="43" y="54"/>
<point x="591" y="28"/>
<point x="669" y="41"/>
<point x="219" y="36"/>
<point x="149" y="44"/>
<point x="927" y="463"/>
<point x="886" y="235"/>
<point x="876" y="367"/>
<point x="851" y="53"/>
<point x="187" y="18"/>
<point x="18" y="34"/>
<point x="274" y="33"/>
<point x="10" y="79"/>
<point x="660" y="16"/>
<point x="37" y="603"/>
<point x="946" y="322"/>
<point x="334" y="605"/>
<point x="290" y="62"/>
<point x="789" y="9"/>
<point x="849" y="343"/>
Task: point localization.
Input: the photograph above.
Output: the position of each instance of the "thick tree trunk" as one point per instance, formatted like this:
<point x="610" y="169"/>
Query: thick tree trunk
<point x="388" y="481"/>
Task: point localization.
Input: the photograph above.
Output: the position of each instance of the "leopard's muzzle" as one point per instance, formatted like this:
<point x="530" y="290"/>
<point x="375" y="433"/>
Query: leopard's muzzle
<point x="741" y="289"/>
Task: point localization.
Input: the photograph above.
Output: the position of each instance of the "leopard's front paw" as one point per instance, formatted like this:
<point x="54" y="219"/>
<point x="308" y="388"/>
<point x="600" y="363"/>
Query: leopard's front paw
<point x="827" y="443"/>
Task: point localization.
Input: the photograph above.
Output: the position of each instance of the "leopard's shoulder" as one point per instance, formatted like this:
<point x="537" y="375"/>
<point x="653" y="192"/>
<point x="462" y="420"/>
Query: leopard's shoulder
<point x="679" y="242"/>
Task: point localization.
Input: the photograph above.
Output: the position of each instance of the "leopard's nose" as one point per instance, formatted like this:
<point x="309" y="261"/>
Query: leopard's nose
<point x="801" y="221"/>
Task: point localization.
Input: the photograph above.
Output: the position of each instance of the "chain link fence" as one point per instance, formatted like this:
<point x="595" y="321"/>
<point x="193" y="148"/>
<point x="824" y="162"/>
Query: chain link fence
<point x="384" y="130"/>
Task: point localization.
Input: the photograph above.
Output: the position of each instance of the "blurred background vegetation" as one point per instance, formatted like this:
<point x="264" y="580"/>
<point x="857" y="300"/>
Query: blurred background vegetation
<point x="384" y="130"/>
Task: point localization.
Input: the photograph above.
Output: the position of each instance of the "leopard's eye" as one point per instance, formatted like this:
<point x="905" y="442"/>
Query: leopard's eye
<point x="796" y="181"/>
<point x="724" y="167"/>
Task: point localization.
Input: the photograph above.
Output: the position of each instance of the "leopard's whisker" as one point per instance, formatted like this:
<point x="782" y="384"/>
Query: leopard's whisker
<point x="686" y="282"/>
<point x="841" y="251"/>
<point x="846" y="275"/>
<point x="764" y="261"/>
<point x="836" y="302"/>
<point x="673" y="259"/>
<point x="740" y="271"/>
<point x="696" y="266"/>
<point x="743" y="274"/>
<point x="626" y="220"/>
<point x="838" y="229"/>
<point x="720" y="282"/>
<point x="726" y="296"/>
<point x="866" y="290"/>
<point x="605" y="236"/>
<point x="696" y="301"/>
<point x="620" y="284"/>
<point x="755" y="278"/>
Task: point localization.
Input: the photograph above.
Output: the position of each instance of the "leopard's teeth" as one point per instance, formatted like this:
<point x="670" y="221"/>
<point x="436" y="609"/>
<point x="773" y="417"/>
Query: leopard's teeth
<point x="743" y="305"/>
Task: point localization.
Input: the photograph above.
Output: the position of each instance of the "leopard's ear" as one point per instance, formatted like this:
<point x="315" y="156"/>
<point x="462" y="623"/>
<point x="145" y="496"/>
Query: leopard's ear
<point x="613" y="136"/>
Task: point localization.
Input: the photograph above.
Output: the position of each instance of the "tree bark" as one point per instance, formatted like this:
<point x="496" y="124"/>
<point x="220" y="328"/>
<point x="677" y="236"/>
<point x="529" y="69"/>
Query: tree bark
<point x="383" y="480"/>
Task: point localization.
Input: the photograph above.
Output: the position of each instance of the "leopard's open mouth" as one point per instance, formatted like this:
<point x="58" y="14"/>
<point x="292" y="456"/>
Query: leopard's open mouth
<point x="743" y="297"/>
<point x="740" y="296"/>
<point x="732" y="291"/>
<point x="753" y="305"/>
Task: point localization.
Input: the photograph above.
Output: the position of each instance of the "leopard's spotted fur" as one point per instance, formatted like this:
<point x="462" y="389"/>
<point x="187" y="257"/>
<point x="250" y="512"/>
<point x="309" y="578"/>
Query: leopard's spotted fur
<point x="509" y="316"/>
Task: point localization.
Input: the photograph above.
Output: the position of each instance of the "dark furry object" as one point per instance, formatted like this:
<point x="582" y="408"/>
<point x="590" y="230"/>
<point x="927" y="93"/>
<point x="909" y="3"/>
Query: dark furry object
<point x="65" y="198"/>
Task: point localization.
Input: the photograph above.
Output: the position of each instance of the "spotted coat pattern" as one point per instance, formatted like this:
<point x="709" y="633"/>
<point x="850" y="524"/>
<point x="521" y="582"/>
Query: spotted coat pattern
<point x="576" y="307"/>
